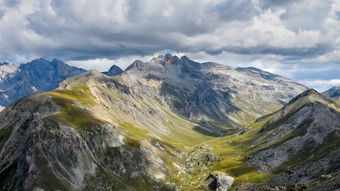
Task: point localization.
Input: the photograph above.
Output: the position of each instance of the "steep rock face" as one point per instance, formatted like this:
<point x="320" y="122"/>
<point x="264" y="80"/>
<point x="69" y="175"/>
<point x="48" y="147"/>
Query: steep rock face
<point x="92" y="133"/>
<point x="43" y="148"/>
<point x="36" y="76"/>
<point x="114" y="71"/>
<point x="334" y="92"/>
<point x="295" y="148"/>
<point x="210" y="92"/>
<point x="300" y="142"/>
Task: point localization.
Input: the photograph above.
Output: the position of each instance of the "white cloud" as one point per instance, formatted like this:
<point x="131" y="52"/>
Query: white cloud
<point x="100" y="64"/>
<point x="103" y="64"/>
<point x="116" y="28"/>
<point x="295" y="39"/>
<point x="321" y="85"/>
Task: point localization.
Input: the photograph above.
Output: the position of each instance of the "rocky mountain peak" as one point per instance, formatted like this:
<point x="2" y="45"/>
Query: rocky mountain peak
<point x="307" y="93"/>
<point x="136" y="65"/>
<point x="6" y="68"/>
<point x="36" y="64"/>
<point x="113" y="71"/>
<point x="333" y="92"/>
<point x="163" y="64"/>
<point x="335" y="88"/>
<point x="42" y="62"/>
<point x="309" y="98"/>
<point x="56" y="61"/>
<point x="184" y="58"/>
<point x="312" y="96"/>
<point x="164" y="59"/>
<point x="160" y="62"/>
<point x="35" y="76"/>
<point x="37" y="61"/>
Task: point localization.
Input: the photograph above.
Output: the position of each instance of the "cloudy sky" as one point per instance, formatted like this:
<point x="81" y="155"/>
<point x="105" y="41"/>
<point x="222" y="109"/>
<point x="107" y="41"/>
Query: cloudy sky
<point x="299" y="39"/>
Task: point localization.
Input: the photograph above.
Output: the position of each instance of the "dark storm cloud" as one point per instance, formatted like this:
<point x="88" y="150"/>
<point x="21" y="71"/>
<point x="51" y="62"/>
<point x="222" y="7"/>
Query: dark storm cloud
<point x="2" y="13"/>
<point x="116" y="28"/>
<point x="338" y="15"/>
<point x="231" y="10"/>
<point x="292" y="32"/>
<point x="276" y="3"/>
<point x="291" y="53"/>
<point x="11" y="2"/>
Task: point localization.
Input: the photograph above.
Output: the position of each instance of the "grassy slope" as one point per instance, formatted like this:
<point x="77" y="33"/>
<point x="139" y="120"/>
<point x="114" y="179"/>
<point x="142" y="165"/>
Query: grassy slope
<point x="76" y="103"/>
<point x="233" y="151"/>
<point x="78" y="107"/>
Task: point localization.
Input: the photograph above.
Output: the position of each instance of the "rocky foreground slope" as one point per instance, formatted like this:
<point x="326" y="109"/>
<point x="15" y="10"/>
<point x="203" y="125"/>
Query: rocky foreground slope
<point x="300" y="142"/>
<point x="36" y="76"/>
<point x="295" y="148"/>
<point x="154" y="127"/>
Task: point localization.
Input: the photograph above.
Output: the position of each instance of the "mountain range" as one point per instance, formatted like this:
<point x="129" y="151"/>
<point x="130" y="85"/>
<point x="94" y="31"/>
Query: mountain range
<point x="170" y="124"/>
<point x="36" y="76"/>
<point x="39" y="75"/>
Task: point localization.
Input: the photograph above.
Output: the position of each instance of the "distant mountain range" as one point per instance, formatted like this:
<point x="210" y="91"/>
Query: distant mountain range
<point x="36" y="76"/>
<point x="171" y="124"/>
<point x="39" y="75"/>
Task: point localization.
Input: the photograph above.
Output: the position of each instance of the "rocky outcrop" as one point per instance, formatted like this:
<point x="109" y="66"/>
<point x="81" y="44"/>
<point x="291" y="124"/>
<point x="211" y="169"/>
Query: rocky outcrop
<point x="40" y="150"/>
<point x="329" y="182"/>
<point x="298" y="142"/>
<point x="218" y="181"/>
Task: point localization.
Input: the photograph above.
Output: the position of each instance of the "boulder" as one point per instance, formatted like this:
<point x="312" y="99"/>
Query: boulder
<point x="218" y="181"/>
